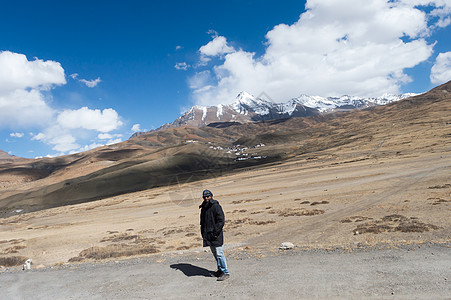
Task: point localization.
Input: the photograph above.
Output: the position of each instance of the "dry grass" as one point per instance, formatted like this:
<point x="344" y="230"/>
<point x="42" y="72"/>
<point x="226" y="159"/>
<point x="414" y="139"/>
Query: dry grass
<point x="114" y="250"/>
<point x="239" y="211"/>
<point x="394" y="223"/>
<point x="231" y="224"/>
<point x="11" y="261"/>
<point x="445" y="186"/>
<point x="438" y="201"/>
<point x="13" y="241"/>
<point x="317" y="203"/>
<point x="13" y="249"/>
<point x="262" y="222"/>
<point x="187" y="247"/>
<point x="120" y="237"/>
<point x="289" y="212"/>
<point x="246" y="201"/>
<point x="355" y="219"/>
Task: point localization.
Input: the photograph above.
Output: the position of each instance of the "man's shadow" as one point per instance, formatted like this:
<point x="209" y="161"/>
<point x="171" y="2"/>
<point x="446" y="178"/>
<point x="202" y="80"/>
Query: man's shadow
<point x="190" y="270"/>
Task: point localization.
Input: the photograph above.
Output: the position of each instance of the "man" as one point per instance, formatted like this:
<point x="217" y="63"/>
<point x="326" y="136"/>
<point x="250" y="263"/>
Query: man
<point x="211" y="224"/>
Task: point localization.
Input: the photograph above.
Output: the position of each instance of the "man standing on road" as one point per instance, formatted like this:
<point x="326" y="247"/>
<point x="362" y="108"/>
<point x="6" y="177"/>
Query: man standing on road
<point x="211" y="224"/>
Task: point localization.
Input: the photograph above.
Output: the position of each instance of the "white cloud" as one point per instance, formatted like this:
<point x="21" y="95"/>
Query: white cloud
<point x="443" y="13"/>
<point x="17" y="134"/>
<point x="218" y="46"/>
<point x="114" y="141"/>
<point x="106" y="136"/>
<point x="64" y="140"/>
<point x="441" y="10"/>
<point x="64" y="143"/>
<point x="86" y="148"/>
<point x="59" y="139"/>
<point x="200" y="80"/>
<point x="103" y="121"/>
<point x="73" y="126"/>
<point x="96" y="145"/>
<point x="336" y="47"/>
<point x="441" y="70"/>
<point x="39" y="137"/>
<point x="22" y="82"/>
<point x="444" y="22"/>
<point x="22" y="108"/>
<point x="18" y="73"/>
<point x="136" y="128"/>
<point x="91" y="83"/>
<point x="25" y="91"/>
<point x="213" y="33"/>
<point x="178" y="47"/>
<point x="88" y="83"/>
<point x="182" y="66"/>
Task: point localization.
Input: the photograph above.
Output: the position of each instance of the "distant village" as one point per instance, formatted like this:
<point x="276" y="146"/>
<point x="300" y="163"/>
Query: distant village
<point x="241" y="152"/>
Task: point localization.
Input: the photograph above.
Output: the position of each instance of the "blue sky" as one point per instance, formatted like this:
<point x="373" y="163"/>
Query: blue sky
<point x="79" y="74"/>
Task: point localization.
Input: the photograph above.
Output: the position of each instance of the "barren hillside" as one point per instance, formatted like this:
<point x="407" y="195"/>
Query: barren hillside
<point x="372" y="177"/>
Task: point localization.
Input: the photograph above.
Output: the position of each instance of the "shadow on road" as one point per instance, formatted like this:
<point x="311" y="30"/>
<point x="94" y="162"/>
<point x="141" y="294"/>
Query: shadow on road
<point x="190" y="270"/>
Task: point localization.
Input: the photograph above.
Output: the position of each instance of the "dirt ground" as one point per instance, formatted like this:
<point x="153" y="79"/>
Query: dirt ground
<point x="322" y="201"/>
<point x="408" y="272"/>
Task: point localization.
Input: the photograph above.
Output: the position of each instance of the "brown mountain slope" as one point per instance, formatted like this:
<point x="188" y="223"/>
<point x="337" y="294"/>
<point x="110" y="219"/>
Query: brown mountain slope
<point x="5" y="158"/>
<point x="410" y="126"/>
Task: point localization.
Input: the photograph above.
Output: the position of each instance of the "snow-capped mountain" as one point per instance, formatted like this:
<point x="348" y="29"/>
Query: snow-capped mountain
<point x="247" y="108"/>
<point x="347" y="102"/>
<point x="260" y="110"/>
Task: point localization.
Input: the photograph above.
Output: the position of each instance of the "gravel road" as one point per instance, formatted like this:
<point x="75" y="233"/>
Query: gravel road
<point x="410" y="272"/>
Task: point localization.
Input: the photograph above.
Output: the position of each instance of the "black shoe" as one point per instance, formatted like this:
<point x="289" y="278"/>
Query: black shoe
<point x="218" y="273"/>
<point x="223" y="277"/>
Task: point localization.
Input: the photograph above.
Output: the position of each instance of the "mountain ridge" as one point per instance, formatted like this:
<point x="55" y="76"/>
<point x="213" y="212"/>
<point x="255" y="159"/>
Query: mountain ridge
<point x="248" y="108"/>
<point x="5" y="157"/>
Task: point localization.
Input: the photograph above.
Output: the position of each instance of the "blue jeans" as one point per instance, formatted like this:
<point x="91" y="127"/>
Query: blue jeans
<point x="220" y="259"/>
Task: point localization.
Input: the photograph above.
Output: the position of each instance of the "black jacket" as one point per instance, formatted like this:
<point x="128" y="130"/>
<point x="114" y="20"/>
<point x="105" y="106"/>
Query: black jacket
<point x="211" y="223"/>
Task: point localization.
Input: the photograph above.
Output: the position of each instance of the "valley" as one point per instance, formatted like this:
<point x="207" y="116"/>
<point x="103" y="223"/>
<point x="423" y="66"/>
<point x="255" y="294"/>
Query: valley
<point x="370" y="178"/>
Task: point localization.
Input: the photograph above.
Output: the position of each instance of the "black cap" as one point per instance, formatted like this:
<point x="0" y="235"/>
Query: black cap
<point x="207" y="193"/>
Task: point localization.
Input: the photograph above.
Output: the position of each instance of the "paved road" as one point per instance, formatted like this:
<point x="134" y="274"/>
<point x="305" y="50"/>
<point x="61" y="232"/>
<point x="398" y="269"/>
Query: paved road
<point x="409" y="273"/>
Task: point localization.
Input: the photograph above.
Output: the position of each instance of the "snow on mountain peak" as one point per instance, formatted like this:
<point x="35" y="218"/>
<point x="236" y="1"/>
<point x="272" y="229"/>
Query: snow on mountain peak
<point x="248" y="108"/>
<point x="246" y="103"/>
<point x="204" y="112"/>
<point x="245" y="97"/>
<point x="220" y="111"/>
<point x="327" y="104"/>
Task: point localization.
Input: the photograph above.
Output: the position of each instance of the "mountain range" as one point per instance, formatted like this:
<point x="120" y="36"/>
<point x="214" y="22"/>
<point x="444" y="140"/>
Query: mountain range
<point x="167" y="157"/>
<point x="247" y="108"/>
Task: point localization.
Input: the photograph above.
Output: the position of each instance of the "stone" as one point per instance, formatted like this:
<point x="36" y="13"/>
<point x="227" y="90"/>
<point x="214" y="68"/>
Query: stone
<point x="286" y="246"/>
